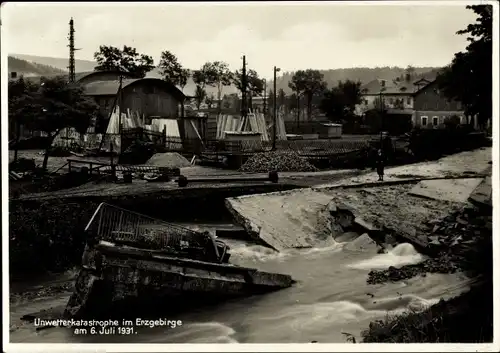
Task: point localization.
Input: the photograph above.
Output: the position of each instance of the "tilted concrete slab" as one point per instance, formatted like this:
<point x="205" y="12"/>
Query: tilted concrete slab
<point x="482" y="195"/>
<point x="284" y="220"/>
<point x="454" y="190"/>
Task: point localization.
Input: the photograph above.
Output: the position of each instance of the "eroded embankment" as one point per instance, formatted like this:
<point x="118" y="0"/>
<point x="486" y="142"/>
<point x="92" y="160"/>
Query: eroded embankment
<point x="306" y="218"/>
<point x="462" y="241"/>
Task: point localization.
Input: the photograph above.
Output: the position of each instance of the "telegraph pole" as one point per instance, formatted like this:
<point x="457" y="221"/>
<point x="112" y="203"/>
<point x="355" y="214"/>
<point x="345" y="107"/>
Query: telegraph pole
<point x="265" y="96"/>
<point x="244" y="90"/>
<point x="120" y="128"/>
<point x="275" y="108"/>
<point x="71" y="46"/>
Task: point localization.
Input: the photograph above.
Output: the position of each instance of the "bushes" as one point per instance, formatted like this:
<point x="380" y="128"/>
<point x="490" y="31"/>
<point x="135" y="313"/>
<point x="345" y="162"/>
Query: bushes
<point x="467" y="318"/>
<point x="139" y="152"/>
<point x="22" y="165"/>
<point x="32" y="143"/>
<point x="47" y="236"/>
<point x="433" y="143"/>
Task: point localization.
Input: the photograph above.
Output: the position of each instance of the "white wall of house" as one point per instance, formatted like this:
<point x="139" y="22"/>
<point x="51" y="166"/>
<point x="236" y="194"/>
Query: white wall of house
<point x="369" y="101"/>
<point x="430" y="119"/>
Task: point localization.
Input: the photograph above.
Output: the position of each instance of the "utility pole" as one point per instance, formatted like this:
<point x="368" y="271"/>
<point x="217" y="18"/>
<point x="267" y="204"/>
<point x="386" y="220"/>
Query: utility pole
<point x="120" y="95"/>
<point x="265" y="96"/>
<point x="381" y="103"/>
<point x="275" y="108"/>
<point x="244" y="90"/>
<point x="71" y="46"/>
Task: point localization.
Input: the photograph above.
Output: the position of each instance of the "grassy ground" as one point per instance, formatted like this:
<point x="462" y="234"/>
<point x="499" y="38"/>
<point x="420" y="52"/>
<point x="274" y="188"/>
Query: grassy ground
<point x="467" y="318"/>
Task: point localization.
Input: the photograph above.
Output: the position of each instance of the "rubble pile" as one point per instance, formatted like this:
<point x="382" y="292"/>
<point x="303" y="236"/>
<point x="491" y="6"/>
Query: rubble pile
<point x="456" y="241"/>
<point x="279" y="161"/>
<point x="168" y="159"/>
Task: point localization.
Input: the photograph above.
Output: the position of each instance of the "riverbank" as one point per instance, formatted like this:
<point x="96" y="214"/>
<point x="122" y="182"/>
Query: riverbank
<point x="462" y="242"/>
<point x="311" y="310"/>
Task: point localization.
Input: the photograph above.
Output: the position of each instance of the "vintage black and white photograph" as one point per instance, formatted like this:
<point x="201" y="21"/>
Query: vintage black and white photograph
<point x="249" y="172"/>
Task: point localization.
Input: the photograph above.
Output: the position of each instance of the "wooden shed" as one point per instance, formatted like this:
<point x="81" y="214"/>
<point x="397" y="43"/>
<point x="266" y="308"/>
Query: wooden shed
<point x="146" y="96"/>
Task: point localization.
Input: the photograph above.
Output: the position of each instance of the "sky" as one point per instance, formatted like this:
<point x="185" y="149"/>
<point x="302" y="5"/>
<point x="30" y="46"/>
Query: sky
<point x="292" y="36"/>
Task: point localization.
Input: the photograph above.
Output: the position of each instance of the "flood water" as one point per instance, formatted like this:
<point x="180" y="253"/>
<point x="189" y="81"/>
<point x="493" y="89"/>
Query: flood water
<point x="331" y="298"/>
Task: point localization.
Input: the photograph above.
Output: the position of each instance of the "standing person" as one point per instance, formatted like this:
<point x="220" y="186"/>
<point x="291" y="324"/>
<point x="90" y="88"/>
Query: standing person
<point x="380" y="163"/>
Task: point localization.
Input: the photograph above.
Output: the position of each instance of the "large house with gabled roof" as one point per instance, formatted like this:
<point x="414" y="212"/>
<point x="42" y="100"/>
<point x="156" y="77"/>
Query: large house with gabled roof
<point x="409" y="103"/>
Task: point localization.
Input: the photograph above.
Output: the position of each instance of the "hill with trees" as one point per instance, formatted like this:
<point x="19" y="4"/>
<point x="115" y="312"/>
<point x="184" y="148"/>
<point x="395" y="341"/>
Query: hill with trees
<point x="26" y="68"/>
<point x="331" y="76"/>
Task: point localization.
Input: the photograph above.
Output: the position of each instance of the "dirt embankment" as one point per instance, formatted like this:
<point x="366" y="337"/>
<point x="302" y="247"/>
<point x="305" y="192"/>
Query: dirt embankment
<point x="462" y="242"/>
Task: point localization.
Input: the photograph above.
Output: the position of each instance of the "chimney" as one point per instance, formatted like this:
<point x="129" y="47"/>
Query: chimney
<point x="407" y="77"/>
<point x="13" y="74"/>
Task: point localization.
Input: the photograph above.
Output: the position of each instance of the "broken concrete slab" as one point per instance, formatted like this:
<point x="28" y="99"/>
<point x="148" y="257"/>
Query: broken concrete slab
<point x="453" y="190"/>
<point x="362" y="244"/>
<point x="284" y="220"/>
<point x="482" y="194"/>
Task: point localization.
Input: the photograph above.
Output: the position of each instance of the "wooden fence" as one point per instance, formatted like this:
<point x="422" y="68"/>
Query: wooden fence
<point x="312" y="148"/>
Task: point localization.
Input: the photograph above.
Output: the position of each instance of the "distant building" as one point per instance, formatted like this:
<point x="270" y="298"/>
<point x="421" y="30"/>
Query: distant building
<point x="408" y="103"/>
<point x="395" y="94"/>
<point x="147" y="96"/>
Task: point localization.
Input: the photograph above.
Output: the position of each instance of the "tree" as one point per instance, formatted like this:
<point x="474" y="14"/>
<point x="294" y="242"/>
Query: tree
<point x="340" y="102"/>
<point x="172" y="71"/>
<point x="409" y="73"/>
<point x="52" y="106"/>
<point x="292" y="102"/>
<point x="281" y="97"/>
<point x="20" y="94"/>
<point x="215" y="74"/>
<point x="255" y="85"/>
<point x="310" y="83"/>
<point x="270" y="101"/>
<point x="110" y="58"/>
<point x="468" y="79"/>
<point x="209" y="100"/>
<point x="200" y="95"/>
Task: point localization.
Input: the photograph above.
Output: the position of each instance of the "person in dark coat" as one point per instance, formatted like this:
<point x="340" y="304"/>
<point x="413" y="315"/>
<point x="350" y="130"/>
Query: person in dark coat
<point x="380" y="164"/>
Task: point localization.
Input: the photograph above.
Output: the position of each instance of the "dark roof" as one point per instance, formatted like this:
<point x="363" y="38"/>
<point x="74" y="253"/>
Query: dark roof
<point x="398" y="87"/>
<point x="106" y="88"/>
<point x="399" y="111"/>
<point x="80" y="75"/>
<point x="110" y="87"/>
<point x="375" y="87"/>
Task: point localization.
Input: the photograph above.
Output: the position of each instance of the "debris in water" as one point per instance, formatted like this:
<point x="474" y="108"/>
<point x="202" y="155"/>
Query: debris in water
<point x="173" y="260"/>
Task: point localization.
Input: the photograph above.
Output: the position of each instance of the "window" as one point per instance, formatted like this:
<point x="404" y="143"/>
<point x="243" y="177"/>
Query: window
<point x="366" y="101"/>
<point x="423" y="119"/>
<point x="408" y="100"/>
<point x="435" y="120"/>
<point x="391" y="100"/>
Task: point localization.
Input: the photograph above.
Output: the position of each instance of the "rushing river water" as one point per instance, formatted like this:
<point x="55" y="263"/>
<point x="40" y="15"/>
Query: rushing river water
<point x="330" y="298"/>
